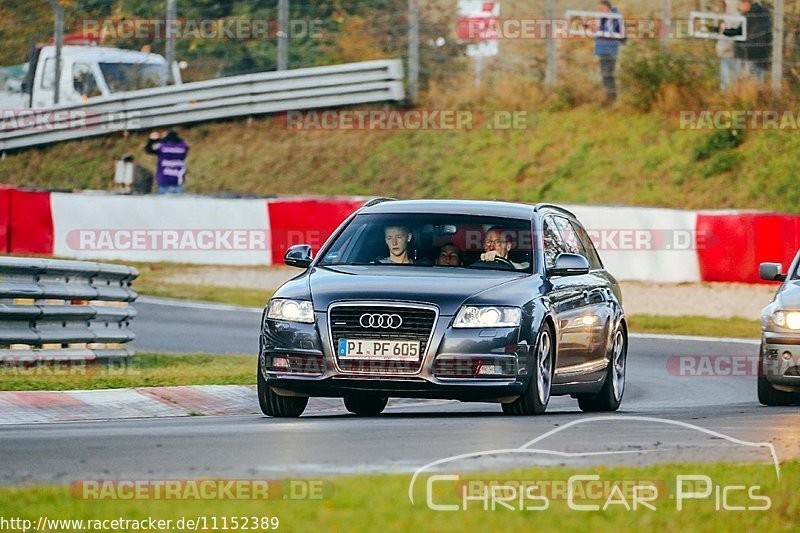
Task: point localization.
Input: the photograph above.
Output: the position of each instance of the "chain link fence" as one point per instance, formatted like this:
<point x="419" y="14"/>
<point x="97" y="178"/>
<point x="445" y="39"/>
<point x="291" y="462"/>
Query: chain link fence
<point x="330" y="32"/>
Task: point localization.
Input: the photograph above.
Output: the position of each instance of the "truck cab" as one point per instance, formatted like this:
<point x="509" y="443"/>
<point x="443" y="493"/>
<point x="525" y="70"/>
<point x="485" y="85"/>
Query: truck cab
<point x="92" y="71"/>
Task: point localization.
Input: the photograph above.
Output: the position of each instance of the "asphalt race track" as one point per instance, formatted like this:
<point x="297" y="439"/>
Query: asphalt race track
<point x="410" y="433"/>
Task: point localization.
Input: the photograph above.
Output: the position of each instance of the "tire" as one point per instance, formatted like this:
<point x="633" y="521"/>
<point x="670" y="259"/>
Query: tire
<point x="610" y="396"/>
<point x="769" y="395"/>
<point x="275" y="405"/>
<point x="365" y="404"/>
<point x="536" y="397"/>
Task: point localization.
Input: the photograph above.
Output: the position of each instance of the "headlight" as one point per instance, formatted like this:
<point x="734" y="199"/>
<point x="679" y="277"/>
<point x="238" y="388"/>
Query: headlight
<point x="471" y="316"/>
<point x="786" y="319"/>
<point x="291" y="310"/>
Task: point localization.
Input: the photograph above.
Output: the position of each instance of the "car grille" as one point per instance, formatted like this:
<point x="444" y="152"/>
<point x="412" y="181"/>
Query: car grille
<point x="417" y="325"/>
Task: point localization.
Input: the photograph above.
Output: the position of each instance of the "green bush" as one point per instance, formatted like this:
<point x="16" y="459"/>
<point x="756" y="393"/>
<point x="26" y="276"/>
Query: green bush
<point x="717" y="141"/>
<point x="646" y="70"/>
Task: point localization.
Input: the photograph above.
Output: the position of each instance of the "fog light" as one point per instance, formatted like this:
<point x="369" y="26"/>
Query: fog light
<point x="280" y="362"/>
<point x="787" y="356"/>
<point x="488" y="369"/>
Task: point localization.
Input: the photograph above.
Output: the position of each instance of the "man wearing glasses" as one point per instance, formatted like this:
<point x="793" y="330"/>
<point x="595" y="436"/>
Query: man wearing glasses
<point x="496" y="247"/>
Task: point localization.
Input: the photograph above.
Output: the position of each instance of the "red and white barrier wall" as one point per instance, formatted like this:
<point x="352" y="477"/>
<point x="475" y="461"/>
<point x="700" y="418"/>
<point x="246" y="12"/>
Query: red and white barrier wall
<point x="664" y="245"/>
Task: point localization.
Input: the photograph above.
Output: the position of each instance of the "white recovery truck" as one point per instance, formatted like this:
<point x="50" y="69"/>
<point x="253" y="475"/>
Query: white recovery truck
<point x="87" y="71"/>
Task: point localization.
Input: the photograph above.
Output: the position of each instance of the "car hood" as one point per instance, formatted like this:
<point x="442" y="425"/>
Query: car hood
<point x="789" y="297"/>
<point x="447" y="288"/>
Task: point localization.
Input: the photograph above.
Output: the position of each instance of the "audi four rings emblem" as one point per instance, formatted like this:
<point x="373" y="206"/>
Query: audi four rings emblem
<point x="374" y="320"/>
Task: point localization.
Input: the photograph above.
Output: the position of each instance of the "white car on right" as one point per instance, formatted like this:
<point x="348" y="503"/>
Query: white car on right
<point x="779" y="359"/>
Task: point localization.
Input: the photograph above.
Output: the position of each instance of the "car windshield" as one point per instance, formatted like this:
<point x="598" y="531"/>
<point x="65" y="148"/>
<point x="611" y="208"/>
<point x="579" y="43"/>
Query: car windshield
<point x="121" y="77"/>
<point x="434" y="240"/>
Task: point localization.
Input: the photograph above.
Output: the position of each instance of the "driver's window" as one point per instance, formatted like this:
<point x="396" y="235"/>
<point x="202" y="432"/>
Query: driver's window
<point x="83" y="80"/>
<point x="552" y="242"/>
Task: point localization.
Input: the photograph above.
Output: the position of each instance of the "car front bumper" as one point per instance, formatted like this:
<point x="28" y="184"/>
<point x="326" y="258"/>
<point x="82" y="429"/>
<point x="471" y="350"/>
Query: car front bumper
<point x="461" y="364"/>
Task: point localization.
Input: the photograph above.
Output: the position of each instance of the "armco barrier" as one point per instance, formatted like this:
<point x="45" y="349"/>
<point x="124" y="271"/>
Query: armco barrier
<point x="176" y="228"/>
<point x="733" y="244"/>
<point x="5" y="218"/>
<point x="64" y="310"/>
<point x="306" y="221"/>
<point x="30" y="223"/>
<point x="726" y="245"/>
<point x="235" y="96"/>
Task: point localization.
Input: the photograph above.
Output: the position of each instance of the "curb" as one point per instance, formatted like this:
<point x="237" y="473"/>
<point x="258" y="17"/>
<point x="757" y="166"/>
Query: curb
<point x="44" y="407"/>
<point x="31" y="407"/>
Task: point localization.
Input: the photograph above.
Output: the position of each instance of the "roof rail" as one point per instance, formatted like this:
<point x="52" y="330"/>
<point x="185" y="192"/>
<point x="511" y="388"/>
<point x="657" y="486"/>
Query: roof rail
<point x="376" y="201"/>
<point x="545" y="205"/>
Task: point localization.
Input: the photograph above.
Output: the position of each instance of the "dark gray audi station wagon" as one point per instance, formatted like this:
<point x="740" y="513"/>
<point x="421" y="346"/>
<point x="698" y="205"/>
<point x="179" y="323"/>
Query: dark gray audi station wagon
<point x="465" y="300"/>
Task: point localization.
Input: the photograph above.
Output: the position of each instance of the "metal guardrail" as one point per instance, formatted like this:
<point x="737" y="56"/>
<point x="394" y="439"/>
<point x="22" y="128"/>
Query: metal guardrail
<point x="250" y="94"/>
<point x="55" y="310"/>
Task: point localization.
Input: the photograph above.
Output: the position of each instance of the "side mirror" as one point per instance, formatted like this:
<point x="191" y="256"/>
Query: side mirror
<point x="771" y="272"/>
<point x="569" y="265"/>
<point x="298" y="255"/>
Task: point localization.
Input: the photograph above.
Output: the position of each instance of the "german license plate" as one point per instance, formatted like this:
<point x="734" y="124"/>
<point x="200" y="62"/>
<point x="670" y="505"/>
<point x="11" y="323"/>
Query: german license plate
<point x="378" y="349"/>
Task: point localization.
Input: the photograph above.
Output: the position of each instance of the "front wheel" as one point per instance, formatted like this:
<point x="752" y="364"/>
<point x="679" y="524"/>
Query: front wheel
<point x="365" y="404"/>
<point x="769" y="395"/>
<point x="610" y="396"/>
<point x="273" y="404"/>
<point x="536" y="397"/>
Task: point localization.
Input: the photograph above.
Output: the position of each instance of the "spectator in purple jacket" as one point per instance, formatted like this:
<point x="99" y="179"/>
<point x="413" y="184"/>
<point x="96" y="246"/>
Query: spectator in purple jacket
<point x="171" y="151"/>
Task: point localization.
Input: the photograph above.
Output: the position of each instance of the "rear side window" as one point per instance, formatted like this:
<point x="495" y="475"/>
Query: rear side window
<point x="553" y="246"/>
<point x="568" y="237"/>
<point x="588" y="246"/>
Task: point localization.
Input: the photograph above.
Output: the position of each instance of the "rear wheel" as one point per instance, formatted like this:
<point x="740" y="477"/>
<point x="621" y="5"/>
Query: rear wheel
<point x="610" y="396"/>
<point x="536" y="397"/>
<point x="365" y="404"/>
<point x="273" y="404"/>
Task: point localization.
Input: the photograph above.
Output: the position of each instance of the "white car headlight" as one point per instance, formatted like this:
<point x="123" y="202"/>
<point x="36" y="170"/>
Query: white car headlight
<point x="471" y="316"/>
<point x="291" y="310"/>
<point x="786" y="319"/>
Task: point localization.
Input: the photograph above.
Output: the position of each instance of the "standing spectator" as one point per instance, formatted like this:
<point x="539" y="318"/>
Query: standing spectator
<point x="755" y="52"/>
<point x="171" y="167"/>
<point x="727" y="62"/>
<point x="606" y="47"/>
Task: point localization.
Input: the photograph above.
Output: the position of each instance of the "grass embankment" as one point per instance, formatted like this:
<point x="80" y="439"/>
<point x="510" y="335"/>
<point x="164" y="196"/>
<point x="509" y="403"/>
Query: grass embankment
<point x="145" y="370"/>
<point x="380" y="503"/>
<point x="583" y="155"/>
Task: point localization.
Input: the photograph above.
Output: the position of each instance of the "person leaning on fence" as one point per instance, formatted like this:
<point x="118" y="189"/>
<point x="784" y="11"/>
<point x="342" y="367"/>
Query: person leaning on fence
<point x="171" y="166"/>
<point x="754" y="53"/>
<point x="608" y="38"/>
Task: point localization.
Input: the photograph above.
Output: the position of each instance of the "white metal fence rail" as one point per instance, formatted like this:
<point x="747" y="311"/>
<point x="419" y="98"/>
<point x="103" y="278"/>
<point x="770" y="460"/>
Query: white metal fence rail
<point x="250" y="94"/>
